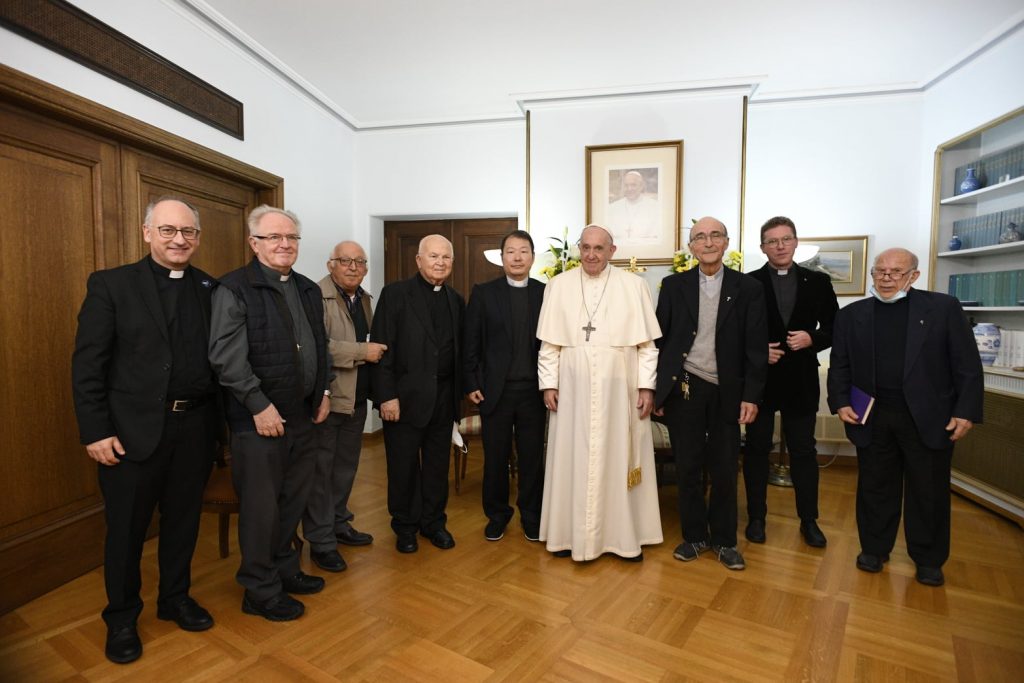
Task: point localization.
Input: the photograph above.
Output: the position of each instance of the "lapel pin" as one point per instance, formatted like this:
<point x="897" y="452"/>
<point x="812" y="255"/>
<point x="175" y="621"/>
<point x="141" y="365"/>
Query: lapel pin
<point x="206" y="283"/>
<point x="728" y="298"/>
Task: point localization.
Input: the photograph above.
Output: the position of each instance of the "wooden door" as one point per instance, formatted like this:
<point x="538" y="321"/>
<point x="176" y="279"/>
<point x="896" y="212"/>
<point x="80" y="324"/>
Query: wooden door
<point x="470" y="238"/>
<point x="60" y="221"/>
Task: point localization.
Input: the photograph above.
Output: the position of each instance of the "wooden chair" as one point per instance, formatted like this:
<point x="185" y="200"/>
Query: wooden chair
<point x="220" y="498"/>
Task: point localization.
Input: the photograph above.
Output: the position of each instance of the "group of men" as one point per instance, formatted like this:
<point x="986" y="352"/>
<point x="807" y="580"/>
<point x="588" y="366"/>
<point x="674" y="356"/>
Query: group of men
<point x="165" y="353"/>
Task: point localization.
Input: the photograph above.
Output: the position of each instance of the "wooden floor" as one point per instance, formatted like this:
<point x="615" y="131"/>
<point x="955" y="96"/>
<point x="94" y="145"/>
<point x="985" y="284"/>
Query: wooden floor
<point x="510" y="611"/>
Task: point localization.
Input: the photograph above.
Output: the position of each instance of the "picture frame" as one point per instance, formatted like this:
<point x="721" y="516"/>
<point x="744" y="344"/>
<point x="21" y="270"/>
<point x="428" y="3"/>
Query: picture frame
<point x="843" y="259"/>
<point x="635" y="190"/>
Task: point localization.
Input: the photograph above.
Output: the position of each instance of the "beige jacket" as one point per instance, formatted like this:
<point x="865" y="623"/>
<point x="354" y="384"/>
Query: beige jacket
<point x="346" y="352"/>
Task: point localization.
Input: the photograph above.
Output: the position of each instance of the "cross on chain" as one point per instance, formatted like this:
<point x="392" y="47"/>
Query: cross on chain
<point x="588" y="329"/>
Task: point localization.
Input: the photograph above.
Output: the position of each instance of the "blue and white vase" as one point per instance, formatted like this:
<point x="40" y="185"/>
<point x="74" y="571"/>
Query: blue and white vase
<point x="970" y="183"/>
<point x="955" y="243"/>
<point x="987" y="337"/>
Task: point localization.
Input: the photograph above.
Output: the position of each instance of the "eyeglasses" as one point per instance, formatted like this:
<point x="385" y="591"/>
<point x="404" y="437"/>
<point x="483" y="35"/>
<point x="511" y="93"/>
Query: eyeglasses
<point x="891" y="274"/>
<point x="347" y="262"/>
<point x="277" y="239"/>
<point x="709" y="237"/>
<point x="169" y="231"/>
<point x="776" y="241"/>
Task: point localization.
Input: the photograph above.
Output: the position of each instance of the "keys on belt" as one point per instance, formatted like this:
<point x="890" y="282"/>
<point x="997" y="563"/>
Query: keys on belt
<point x="684" y="386"/>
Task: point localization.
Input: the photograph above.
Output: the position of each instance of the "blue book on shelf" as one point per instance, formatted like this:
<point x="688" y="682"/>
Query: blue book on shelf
<point x="862" y="403"/>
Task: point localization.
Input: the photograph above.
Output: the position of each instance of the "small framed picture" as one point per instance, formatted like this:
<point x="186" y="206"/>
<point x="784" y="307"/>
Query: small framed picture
<point x="843" y="259"/>
<point x="635" y="190"/>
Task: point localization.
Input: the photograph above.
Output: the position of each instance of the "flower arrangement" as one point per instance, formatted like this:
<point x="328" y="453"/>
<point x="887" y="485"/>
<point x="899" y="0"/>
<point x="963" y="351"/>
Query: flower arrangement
<point x="683" y="260"/>
<point x="561" y="256"/>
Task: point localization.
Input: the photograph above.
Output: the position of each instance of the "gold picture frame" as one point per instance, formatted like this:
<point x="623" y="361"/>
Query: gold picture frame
<point x="843" y="259"/>
<point x="635" y="190"/>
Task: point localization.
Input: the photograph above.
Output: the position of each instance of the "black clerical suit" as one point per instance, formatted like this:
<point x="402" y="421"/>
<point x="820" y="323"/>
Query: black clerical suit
<point x="704" y="427"/>
<point x="422" y="328"/>
<point x="918" y="358"/>
<point x="792" y="389"/>
<point x="140" y="373"/>
<point x="500" y="361"/>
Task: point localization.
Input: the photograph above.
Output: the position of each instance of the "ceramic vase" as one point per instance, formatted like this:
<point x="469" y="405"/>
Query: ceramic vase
<point x="970" y="183"/>
<point x="987" y="336"/>
<point x="955" y="243"/>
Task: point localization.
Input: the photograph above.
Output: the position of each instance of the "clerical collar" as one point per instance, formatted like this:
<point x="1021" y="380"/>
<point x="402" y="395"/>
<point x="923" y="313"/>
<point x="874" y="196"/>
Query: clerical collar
<point x="433" y="287"/>
<point x="779" y="271"/>
<point x="517" y="283"/>
<point x="161" y="271"/>
<point x="716" y="276"/>
<point x="273" y="275"/>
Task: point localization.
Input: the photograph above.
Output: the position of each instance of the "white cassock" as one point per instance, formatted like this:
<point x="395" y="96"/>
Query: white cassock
<point x="596" y="437"/>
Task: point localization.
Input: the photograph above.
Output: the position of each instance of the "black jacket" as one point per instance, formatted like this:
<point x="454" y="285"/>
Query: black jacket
<point x="487" y="350"/>
<point x="120" y="368"/>
<point x="942" y="375"/>
<point x="741" y="337"/>
<point x="408" y="370"/>
<point x="793" y="382"/>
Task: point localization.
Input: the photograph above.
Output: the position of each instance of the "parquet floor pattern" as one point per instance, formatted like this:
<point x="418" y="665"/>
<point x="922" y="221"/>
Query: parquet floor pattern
<point x="509" y="611"/>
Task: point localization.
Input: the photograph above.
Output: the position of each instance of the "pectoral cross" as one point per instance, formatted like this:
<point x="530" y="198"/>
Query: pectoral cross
<point x="588" y="329"/>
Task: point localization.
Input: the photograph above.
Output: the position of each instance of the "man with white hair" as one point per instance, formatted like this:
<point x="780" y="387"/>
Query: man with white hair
<point x="913" y="351"/>
<point x="635" y="216"/>
<point x="269" y="349"/>
<point x="416" y="386"/>
<point x="597" y="368"/>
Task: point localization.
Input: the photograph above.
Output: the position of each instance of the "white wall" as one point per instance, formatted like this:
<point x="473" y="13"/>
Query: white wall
<point x="459" y="171"/>
<point x="285" y="134"/>
<point x="840" y="167"/>
<point x="710" y="126"/>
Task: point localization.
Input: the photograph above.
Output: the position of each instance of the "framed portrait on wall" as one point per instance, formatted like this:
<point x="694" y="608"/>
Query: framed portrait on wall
<point x="635" y="190"/>
<point x="843" y="259"/>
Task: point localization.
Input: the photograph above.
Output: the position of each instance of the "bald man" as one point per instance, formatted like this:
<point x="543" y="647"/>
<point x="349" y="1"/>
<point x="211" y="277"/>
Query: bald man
<point x="347" y="319"/>
<point x="712" y="368"/>
<point x="914" y="352"/>
<point x="416" y="387"/>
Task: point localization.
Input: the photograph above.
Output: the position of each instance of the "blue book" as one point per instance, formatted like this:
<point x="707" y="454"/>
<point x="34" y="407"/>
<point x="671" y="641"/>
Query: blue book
<point x="862" y="403"/>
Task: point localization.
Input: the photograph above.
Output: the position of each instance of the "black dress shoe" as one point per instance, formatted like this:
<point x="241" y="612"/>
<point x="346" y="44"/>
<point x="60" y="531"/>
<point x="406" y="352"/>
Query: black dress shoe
<point x="406" y="543"/>
<point x="349" y="536"/>
<point x="123" y="644"/>
<point x="866" y="562"/>
<point x="930" y="576"/>
<point x="637" y="558"/>
<point x="302" y="584"/>
<point x="186" y="613"/>
<point x="755" y="531"/>
<point x="281" y="607"/>
<point x="812" y="534"/>
<point x="329" y="561"/>
<point x="563" y="553"/>
<point x="441" y="539"/>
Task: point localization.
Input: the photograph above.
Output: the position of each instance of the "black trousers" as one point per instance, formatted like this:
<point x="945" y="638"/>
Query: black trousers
<point x="803" y="462"/>
<point x="702" y="439"/>
<point x="339" y="441"/>
<point x="417" y="460"/>
<point x="520" y="413"/>
<point x="273" y="477"/>
<point x="898" y="470"/>
<point x="173" y="478"/>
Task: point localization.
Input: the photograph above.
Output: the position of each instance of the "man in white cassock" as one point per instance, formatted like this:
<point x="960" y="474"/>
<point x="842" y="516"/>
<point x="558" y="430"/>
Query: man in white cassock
<point x="597" y="369"/>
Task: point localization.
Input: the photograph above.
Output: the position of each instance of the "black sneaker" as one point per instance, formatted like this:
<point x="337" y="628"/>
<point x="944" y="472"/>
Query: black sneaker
<point x="281" y="607"/>
<point x="687" y="552"/>
<point x="302" y="584"/>
<point x="730" y="557"/>
<point x="494" y="531"/>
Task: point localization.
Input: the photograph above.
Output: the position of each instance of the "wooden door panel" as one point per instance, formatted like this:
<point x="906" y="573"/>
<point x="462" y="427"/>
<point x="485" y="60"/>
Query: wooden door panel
<point x="59" y="203"/>
<point x="472" y="237"/>
<point x="222" y="204"/>
<point x="402" y="241"/>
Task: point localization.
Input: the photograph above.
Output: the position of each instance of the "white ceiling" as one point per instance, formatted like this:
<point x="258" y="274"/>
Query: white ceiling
<point x="400" y="62"/>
